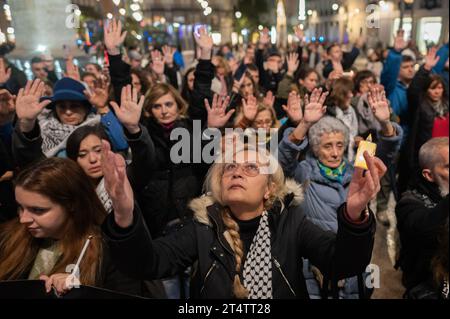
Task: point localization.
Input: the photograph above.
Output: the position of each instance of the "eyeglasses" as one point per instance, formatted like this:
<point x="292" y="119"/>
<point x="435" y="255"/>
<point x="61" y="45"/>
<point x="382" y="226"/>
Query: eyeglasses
<point x="249" y="169"/>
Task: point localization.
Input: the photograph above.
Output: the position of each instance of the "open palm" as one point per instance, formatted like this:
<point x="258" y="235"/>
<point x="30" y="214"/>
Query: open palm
<point x="117" y="185"/>
<point x="203" y="40"/>
<point x="379" y="104"/>
<point x="130" y="110"/>
<point x="294" y="108"/>
<point x="28" y="106"/>
<point x="250" y="108"/>
<point x="113" y="36"/>
<point x="217" y="115"/>
<point x="314" y="106"/>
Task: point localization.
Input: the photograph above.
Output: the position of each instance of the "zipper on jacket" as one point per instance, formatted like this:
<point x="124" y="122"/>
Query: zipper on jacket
<point x="277" y="264"/>
<point x="207" y="275"/>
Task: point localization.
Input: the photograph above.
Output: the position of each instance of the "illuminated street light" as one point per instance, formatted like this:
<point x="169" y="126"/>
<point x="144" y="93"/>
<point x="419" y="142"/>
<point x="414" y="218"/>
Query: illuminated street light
<point x="335" y="6"/>
<point x="238" y="14"/>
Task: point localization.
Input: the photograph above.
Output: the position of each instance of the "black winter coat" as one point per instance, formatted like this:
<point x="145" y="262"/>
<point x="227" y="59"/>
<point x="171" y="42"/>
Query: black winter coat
<point x="420" y="214"/>
<point x="171" y="186"/>
<point x="202" y="242"/>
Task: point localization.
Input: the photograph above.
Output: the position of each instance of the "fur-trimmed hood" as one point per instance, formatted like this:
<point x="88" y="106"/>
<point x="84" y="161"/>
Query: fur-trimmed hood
<point x="200" y="205"/>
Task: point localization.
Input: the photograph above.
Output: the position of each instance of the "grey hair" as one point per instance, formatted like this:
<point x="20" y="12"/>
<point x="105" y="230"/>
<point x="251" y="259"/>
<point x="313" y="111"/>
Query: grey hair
<point x="429" y="154"/>
<point x="326" y="125"/>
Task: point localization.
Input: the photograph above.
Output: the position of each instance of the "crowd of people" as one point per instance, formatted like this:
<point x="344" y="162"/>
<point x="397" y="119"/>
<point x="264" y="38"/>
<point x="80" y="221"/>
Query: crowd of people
<point x="90" y="156"/>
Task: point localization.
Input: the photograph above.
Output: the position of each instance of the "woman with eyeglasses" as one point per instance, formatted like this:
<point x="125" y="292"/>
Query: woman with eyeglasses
<point x="249" y="234"/>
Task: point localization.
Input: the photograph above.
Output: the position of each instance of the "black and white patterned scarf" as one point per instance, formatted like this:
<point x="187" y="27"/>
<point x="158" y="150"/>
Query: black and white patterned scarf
<point x="104" y="196"/>
<point x="55" y="134"/>
<point x="258" y="266"/>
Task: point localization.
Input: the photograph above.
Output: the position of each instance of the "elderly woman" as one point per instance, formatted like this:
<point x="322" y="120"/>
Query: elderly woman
<point x="249" y="233"/>
<point x="325" y="173"/>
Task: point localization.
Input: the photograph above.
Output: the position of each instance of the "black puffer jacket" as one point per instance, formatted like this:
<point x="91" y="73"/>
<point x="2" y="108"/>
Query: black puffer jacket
<point x="202" y="242"/>
<point x="171" y="186"/>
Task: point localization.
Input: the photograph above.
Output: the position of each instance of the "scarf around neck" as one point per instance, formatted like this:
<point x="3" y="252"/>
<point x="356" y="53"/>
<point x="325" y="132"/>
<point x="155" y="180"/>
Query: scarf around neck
<point x="333" y="174"/>
<point x="257" y="272"/>
<point x="55" y="134"/>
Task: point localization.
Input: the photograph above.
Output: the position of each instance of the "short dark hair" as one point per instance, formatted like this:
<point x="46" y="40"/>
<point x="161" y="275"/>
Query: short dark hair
<point x="331" y="47"/>
<point x="361" y="76"/>
<point x="97" y="67"/>
<point x="407" y="58"/>
<point x="86" y="74"/>
<point x="36" y="60"/>
<point x="252" y="67"/>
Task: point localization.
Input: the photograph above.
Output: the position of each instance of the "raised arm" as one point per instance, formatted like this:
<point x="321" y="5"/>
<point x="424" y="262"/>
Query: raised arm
<point x="131" y="246"/>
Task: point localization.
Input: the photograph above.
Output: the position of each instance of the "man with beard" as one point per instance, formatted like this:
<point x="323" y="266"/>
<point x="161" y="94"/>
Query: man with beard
<point x="421" y="212"/>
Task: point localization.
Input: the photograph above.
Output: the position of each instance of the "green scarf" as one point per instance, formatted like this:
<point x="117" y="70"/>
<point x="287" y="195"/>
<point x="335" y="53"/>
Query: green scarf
<point x="336" y="174"/>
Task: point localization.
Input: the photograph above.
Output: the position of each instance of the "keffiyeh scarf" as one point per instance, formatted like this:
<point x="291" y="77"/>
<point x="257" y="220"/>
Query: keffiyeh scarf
<point x="258" y="266"/>
<point x="104" y="196"/>
<point x="55" y="134"/>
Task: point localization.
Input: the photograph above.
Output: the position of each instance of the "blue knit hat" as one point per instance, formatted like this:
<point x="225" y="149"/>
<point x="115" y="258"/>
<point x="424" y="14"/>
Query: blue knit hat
<point x="67" y="89"/>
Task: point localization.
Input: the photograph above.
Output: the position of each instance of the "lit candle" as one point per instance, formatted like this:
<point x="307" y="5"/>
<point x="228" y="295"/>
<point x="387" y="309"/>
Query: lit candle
<point x="364" y="146"/>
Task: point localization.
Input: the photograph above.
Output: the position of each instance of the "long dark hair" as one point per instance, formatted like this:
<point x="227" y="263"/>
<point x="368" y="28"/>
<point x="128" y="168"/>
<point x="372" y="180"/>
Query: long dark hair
<point x="185" y="92"/>
<point x="75" y="139"/>
<point x="145" y="83"/>
<point x="63" y="182"/>
<point x="433" y="81"/>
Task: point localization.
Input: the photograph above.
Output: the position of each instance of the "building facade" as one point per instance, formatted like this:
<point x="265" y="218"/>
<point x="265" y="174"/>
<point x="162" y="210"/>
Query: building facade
<point x="424" y="21"/>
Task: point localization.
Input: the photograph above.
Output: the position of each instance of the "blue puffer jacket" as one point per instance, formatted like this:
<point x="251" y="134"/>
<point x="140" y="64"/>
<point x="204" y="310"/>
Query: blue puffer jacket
<point x="396" y="91"/>
<point x="322" y="196"/>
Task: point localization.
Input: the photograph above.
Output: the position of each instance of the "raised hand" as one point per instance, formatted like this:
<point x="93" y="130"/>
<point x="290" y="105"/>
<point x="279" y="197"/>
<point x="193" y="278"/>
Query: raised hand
<point x="314" y="106"/>
<point x="364" y="186"/>
<point x="250" y="108"/>
<point x="157" y="62"/>
<point x="360" y="42"/>
<point x="99" y="96"/>
<point x="217" y="116"/>
<point x="294" y="108"/>
<point x="238" y="84"/>
<point x="204" y="42"/>
<point x="117" y="186"/>
<point x="72" y="70"/>
<point x="293" y="63"/>
<point x="379" y="104"/>
<point x="5" y="73"/>
<point x="269" y="99"/>
<point x="337" y="66"/>
<point x="28" y="106"/>
<point x="114" y="37"/>
<point x="130" y="110"/>
<point x="264" y="38"/>
<point x="299" y="33"/>
<point x="431" y="59"/>
<point x="399" y="42"/>
<point x="168" y="53"/>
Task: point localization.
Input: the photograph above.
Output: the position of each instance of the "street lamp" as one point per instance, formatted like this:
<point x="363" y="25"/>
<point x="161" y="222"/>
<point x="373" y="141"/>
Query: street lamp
<point x="238" y="14"/>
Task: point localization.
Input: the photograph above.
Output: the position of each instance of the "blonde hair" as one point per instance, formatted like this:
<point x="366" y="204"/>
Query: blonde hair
<point x="213" y="187"/>
<point x="240" y="122"/>
<point x="159" y="90"/>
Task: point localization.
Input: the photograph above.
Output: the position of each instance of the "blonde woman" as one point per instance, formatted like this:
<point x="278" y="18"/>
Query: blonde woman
<point x="248" y="235"/>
